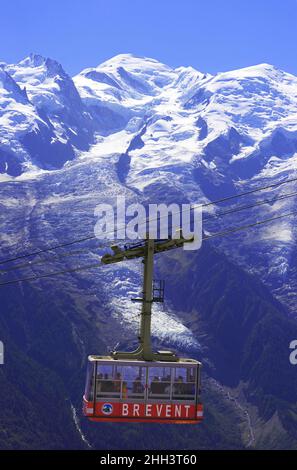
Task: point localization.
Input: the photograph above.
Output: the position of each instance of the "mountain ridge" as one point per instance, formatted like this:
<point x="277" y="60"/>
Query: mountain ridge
<point x="113" y="90"/>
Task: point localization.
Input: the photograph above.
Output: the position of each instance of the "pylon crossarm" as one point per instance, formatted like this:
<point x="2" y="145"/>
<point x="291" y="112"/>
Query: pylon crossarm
<point x="139" y="252"/>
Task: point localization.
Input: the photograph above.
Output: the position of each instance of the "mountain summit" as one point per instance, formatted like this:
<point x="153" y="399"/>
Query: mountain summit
<point x="187" y="112"/>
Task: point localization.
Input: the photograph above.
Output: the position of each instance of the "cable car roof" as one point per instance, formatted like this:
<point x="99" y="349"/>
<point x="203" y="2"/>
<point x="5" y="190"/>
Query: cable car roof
<point x="178" y="362"/>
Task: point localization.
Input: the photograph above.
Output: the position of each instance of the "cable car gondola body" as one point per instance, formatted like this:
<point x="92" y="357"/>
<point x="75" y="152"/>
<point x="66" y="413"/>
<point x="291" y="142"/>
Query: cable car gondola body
<point x="142" y="391"/>
<point x="142" y="385"/>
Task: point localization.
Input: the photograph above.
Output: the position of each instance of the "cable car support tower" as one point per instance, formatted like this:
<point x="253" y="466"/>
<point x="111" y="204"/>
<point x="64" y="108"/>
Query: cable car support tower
<point x="152" y="292"/>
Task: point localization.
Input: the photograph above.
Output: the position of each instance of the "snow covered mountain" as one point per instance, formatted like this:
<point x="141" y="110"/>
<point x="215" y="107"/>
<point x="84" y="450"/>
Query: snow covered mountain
<point x="43" y="120"/>
<point x="167" y="134"/>
<point x="135" y="127"/>
<point x="216" y="122"/>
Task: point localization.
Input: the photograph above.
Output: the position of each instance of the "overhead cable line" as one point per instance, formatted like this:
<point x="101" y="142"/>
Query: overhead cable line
<point x="207" y="217"/>
<point x="57" y="257"/>
<point x="207" y="237"/>
<point x="250" y="206"/>
<point x="52" y="248"/>
<point x="55" y="273"/>
<point x="244" y="227"/>
<point x="92" y="237"/>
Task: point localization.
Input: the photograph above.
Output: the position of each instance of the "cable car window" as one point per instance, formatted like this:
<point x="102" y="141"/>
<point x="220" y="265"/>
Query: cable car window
<point x="108" y="381"/>
<point x="89" y="389"/>
<point x="184" y="383"/>
<point x="134" y="382"/>
<point x="159" y="382"/>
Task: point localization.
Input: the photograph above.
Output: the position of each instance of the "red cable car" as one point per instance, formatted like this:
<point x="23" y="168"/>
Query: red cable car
<point x="142" y="385"/>
<point x="142" y="391"/>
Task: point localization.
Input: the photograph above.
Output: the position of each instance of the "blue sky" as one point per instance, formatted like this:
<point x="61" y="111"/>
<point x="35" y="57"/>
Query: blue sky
<point x="210" y="35"/>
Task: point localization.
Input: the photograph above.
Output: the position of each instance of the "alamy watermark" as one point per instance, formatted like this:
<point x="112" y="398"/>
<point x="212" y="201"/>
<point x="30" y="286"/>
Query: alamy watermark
<point x="1" y="353"/>
<point x="156" y="221"/>
<point x="293" y="354"/>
